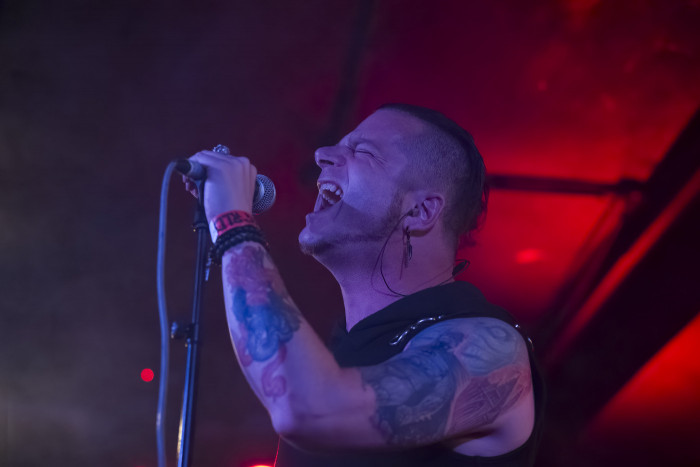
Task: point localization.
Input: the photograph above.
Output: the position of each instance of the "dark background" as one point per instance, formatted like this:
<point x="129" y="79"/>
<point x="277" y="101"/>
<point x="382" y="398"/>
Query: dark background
<point x="585" y="112"/>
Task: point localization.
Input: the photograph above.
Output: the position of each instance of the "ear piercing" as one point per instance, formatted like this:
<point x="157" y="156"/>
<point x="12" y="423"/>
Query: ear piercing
<point x="408" y="253"/>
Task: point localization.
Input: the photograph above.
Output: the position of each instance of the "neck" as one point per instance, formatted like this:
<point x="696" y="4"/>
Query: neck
<point x="363" y="288"/>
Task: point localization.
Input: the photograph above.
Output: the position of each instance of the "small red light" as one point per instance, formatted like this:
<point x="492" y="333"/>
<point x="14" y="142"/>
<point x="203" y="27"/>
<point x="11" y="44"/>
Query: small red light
<point x="529" y="255"/>
<point x="147" y="374"/>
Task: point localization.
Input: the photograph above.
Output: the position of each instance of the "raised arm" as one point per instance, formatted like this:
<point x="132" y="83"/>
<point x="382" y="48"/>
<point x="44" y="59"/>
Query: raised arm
<point x="454" y="380"/>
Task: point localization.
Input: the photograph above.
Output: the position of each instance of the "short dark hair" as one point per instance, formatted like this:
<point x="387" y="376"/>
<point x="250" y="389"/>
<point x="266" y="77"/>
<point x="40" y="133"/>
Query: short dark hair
<point x="448" y="158"/>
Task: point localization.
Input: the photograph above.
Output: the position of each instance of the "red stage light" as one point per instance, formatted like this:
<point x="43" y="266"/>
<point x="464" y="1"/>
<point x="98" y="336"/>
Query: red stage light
<point x="660" y="404"/>
<point x="529" y="255"/>
<point x="147" y="375"/>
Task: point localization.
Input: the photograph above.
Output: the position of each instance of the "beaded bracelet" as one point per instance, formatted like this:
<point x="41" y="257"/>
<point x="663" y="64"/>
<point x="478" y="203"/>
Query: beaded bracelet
<point x="233" y="237"/>
<point x="240" y="235"/>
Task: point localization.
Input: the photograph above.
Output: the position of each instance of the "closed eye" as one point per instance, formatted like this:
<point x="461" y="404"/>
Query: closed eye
<point x="372" y="157"/>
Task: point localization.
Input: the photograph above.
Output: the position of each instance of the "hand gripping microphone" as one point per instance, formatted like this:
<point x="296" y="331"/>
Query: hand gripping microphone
<point x="263" y="197"/>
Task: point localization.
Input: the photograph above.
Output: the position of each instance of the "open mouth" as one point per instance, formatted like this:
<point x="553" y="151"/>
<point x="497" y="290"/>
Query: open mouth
<point x="330" y="194"/>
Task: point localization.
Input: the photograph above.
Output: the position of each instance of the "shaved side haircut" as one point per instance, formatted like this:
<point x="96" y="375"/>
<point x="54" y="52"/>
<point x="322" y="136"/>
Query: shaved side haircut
<point x="444" y="157"/>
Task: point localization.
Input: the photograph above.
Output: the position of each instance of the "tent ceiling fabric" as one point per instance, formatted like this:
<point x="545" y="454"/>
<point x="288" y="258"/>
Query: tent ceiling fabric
<point x="97" y="97"/>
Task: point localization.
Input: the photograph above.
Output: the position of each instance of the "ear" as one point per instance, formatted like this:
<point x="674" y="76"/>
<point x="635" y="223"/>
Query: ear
<point x="425" y="213"/>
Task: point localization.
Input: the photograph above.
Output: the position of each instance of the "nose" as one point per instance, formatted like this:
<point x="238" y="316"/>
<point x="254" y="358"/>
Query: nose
<point x="329" y="156"/>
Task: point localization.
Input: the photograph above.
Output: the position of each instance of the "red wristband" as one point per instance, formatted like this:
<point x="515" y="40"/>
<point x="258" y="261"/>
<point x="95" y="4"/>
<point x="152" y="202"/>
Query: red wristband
<point x="227" y="221"/>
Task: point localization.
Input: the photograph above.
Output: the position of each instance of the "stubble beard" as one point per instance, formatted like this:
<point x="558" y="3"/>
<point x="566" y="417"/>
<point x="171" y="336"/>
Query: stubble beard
<point x="378" y="233"/>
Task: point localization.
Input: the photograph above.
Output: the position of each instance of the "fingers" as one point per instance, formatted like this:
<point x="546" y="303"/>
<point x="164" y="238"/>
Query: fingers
<point x="226" y="162"/>
<point x="222" y="162"/>
<point x="190" y="186"/>
<point x="230" y="182"/>
<point x="212" y="158"/>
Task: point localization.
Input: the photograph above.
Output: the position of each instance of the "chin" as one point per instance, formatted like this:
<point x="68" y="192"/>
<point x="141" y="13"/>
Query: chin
<point x="310" y="245"/>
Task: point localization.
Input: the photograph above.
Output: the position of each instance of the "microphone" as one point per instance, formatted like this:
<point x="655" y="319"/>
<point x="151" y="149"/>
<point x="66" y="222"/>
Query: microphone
<point x="263" y="197"/>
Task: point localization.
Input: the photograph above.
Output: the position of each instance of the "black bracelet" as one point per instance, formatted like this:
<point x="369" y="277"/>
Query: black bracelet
<point x="217" y="253"/>
<point x="236" y="236"/>
<point x="236" y="240"/>
<point x="236" y="233"/>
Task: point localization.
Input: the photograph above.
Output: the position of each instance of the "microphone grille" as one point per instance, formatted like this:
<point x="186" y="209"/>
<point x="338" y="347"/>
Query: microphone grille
<point x="265" y="194"/>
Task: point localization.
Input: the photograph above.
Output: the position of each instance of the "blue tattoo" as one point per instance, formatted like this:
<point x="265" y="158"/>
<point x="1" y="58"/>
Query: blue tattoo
<point x="414" y="389"/>
<point x="268" y="326"/>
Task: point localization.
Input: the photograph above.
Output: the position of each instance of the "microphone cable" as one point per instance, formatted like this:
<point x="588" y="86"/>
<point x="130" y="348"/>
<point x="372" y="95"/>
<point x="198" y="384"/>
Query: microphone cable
<point x="163" y="315"/>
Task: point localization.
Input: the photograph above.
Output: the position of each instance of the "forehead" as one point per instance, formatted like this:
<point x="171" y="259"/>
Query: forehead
<point x="386" y="129"/>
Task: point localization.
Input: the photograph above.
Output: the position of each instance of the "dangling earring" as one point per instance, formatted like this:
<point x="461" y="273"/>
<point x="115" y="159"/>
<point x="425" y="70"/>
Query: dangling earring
<point x="408" y="252"/>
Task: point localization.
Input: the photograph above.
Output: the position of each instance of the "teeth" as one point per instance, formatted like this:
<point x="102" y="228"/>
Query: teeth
<point x="332" y="187"/>
<point x="328" y="198"/>
<point x="331" y="192"/>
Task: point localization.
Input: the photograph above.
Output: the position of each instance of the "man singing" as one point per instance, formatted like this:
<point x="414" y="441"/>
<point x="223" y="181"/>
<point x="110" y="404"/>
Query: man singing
<point x="426" y="371"/>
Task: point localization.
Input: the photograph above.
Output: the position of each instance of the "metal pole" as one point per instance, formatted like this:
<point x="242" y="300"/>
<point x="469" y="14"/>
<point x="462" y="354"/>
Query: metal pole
<point x="191" y="333"/>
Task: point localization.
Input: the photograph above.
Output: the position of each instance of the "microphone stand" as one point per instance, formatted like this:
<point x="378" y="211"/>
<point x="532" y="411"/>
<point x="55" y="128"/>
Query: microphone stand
<point x="190" y="332"/>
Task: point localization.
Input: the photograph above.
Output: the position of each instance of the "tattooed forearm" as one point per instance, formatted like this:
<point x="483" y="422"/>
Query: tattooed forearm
<point x="267" y="326"/>
<point x="452" y="377"/>
<point x="266" y="319"/>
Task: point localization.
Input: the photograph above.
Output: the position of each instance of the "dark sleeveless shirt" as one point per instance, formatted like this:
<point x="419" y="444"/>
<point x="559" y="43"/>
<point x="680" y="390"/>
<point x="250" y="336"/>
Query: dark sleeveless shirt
<point x="369" y="343"/>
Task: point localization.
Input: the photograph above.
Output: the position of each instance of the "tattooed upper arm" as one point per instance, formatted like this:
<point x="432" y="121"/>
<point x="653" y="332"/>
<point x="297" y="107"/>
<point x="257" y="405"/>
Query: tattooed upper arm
<point x="454" y="378"/>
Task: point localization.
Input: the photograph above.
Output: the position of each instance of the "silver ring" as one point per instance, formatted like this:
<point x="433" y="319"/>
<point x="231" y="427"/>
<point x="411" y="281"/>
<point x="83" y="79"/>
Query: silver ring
<point x="222" y="149"/>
